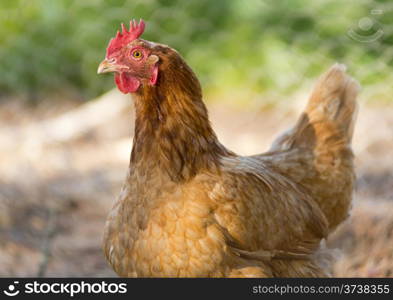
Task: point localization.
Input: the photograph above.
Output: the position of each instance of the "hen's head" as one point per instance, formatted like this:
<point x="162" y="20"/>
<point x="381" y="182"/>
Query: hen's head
<point x="131" y="59"/>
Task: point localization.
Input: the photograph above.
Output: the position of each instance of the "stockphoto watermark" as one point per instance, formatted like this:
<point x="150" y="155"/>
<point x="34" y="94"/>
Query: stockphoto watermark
<point x="367" y="29"/>
<point x="68" y="288"/>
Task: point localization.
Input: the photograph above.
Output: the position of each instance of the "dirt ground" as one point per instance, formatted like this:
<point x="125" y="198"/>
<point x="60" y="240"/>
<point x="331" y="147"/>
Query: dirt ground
<point x="62" y="166"/>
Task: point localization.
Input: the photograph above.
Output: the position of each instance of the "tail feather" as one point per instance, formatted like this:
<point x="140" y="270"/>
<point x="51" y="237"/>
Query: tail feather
<point x="316" y="152"/>
<point x="334" y="99"/>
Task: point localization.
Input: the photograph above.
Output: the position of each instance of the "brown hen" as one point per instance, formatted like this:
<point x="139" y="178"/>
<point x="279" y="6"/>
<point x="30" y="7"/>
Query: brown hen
<point x="191" y="208"/>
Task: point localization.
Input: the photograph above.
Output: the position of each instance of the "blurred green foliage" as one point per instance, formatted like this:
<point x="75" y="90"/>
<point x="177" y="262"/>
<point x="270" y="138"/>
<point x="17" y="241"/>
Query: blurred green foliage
<point x="262" y="46"/>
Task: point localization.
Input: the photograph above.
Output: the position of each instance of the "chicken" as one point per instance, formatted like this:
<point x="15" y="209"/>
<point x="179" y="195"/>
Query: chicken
<point x="190" y="207"/>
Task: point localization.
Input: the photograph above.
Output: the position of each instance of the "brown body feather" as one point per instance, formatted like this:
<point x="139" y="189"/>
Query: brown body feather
<point x="190" y="207"/>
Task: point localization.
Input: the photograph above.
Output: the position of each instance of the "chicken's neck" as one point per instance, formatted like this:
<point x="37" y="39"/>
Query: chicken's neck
<point x="173" y="134"/>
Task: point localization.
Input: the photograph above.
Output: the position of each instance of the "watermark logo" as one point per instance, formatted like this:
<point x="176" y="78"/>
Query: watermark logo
<point x="12" y="291"/>
<point x="368" y="29"/>
<point x="69" y="288"/>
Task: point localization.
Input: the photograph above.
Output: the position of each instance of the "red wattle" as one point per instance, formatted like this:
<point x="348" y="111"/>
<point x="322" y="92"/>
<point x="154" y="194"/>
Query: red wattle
<point x="126" y="83"/>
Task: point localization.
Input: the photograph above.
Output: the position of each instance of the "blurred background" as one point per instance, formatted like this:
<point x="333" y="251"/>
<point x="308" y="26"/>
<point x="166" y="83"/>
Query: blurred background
<point x="66" y="134"/>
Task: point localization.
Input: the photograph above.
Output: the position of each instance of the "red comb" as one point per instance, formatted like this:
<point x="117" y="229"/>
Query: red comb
<point x="125" y="36"/>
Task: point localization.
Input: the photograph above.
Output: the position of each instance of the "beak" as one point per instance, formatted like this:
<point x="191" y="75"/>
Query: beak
<point x="107" y="66"/>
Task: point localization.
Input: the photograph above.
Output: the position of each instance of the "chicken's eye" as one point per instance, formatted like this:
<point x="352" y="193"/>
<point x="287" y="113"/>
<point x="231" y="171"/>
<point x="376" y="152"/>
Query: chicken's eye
<point x="137" y="54"/>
